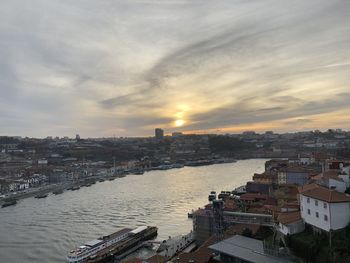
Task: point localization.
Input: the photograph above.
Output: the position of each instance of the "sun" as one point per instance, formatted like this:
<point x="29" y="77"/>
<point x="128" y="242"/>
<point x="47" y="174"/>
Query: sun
<point x="179" y="123"/>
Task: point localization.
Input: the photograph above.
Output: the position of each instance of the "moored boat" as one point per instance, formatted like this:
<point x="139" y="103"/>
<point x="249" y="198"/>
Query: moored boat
<point x="57" y="192"/>
<point x="105" y="247"/>
<point x="9" y="203"/>
<point x="75" y="188"/>
<point x="41" y="196"/>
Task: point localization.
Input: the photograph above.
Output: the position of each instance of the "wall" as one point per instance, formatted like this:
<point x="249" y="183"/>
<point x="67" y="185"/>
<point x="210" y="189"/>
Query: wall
<point x="338" y="214"/>
<point x="312" y="219"/>
<point x="299" y="178"/>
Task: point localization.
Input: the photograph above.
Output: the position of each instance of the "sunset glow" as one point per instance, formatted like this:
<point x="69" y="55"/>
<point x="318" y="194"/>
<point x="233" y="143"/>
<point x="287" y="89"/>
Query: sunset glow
<point x="281" y="65"/>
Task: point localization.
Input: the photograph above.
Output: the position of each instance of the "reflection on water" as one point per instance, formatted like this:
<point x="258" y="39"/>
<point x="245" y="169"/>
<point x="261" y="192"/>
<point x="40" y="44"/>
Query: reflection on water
<point x="37" y="230"/>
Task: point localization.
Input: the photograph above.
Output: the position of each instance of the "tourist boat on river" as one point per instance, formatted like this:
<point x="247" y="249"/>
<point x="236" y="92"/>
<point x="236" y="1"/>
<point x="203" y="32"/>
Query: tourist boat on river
<point x="105" y="248"/>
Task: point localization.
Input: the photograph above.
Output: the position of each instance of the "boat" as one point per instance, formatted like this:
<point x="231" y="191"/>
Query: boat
<point x="75" y="188"/>
<point x="240" y="190"/>
<point x="57" y="192"/>
<point x="224" y="194"/>
<point x="139" y="171"/>
<point x="199" y="163"/>
<point x="178" y="165"/>
<point x="106" y="247"/>
<point x="39" y="196"/>
<point x="101" y="180"/>
<point x="212" y="196"/>
<point x="190" y="214"/>
<point x="9" y="203"/>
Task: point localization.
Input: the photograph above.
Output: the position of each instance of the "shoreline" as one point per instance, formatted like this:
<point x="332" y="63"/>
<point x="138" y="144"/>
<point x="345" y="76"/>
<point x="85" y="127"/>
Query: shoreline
<point x="65" y="186"/>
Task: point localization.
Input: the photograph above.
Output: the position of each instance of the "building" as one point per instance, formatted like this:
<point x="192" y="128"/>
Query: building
<point x="203" y="225"/>
<point x="241" y="249"/>
<point x="331" y="179"/>
<point x="159" y="133"/>
<point x="176" y="134"/>
<point x="252" y="187"/>
<point x="267" y="177"/>
<point x="324" y="208"/>
<point x="290" y="223"/>
<point x="292" y="175"/>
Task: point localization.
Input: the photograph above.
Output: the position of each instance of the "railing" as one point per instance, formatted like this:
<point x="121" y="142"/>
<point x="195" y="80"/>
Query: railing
<point x="249" y="218"/>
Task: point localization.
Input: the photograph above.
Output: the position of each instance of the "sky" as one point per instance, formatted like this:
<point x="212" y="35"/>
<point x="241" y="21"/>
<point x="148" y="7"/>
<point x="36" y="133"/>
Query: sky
<point x="122" y="68"/>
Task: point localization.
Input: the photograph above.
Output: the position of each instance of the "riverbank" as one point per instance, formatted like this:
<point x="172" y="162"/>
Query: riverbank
<point x="31" y="192"/>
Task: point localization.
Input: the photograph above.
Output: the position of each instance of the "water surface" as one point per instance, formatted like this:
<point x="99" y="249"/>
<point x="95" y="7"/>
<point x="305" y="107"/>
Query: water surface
<point x="44" y="230"/>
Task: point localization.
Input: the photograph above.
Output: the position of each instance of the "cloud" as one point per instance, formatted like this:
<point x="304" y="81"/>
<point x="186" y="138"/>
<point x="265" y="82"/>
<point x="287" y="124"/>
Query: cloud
<point x="124" y="67"/>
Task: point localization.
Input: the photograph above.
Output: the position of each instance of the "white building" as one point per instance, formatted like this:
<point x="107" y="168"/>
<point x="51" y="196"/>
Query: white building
<point x="290" y="223"/>
<point x="324" y="208"/>
<point x="332" y="179"/>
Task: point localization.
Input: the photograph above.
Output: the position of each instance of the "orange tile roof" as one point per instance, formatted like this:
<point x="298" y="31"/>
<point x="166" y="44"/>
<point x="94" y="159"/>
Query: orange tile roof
<point x="330" y="174"/>
<point x="307" y="187"/>
<point x="289" y="218"/>
<point x="325" y="194"/>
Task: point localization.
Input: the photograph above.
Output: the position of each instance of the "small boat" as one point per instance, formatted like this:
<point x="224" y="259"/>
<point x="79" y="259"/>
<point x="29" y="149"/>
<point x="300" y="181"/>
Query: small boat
<point x="190" y="214"/>
<point x="57" y="192"/>
<point x="9" y="203"/>
<point x="240" y="190"/>
<point x="41" y="196"/>
<point x="139" y="172"/>
<point x="101" y="180"/>
<point x="75" y="188"/>
<point x="211" y="197"/>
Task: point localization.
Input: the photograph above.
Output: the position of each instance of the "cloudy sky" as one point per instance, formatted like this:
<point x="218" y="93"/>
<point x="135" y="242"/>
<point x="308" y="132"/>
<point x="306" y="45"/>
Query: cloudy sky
<point x="104" y="68"/>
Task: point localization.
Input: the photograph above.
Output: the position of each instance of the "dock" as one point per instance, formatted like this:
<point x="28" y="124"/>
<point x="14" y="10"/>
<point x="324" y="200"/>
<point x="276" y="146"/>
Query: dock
<point x="174" y="245"/>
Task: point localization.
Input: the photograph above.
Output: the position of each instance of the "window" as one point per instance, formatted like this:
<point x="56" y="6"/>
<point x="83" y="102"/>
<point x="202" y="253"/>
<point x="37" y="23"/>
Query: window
<point x="316" y="203"/>
<point x="317" y="214"/>
<point x="308" y="211"/>
<point x="308" y="200"/>
<point x="325" y="218"/>
<point x="324" y="205"/>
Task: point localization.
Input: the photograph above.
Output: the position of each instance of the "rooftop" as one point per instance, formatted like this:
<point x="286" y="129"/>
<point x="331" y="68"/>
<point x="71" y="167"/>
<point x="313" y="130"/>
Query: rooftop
<point x="325" y="194"/>
<point x="245" y="248"/>
<point x="289" y="218"/>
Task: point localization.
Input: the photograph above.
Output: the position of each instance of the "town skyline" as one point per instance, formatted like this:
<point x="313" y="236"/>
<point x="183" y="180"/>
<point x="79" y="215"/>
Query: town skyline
<point x="199" y="67"/>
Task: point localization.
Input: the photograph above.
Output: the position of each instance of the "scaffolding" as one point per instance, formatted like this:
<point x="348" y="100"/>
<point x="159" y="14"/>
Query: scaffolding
<point x="218" y="206"/>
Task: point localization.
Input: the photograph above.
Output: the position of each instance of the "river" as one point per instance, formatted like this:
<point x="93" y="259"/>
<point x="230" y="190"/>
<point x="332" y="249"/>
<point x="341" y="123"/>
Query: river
<point x="44" y="230"/>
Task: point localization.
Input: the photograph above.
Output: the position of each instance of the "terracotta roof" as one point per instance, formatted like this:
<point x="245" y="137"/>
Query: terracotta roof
<point x="273" y="208"/>
<point x="307" y="187"/>
<point x="327" y="195"/>
<point x="289" y="218"/>
<point x="330" y="174"/>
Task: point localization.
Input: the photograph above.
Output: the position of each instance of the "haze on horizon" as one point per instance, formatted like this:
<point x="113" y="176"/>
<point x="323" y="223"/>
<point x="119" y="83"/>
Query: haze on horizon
<point x="104" y="68"/>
